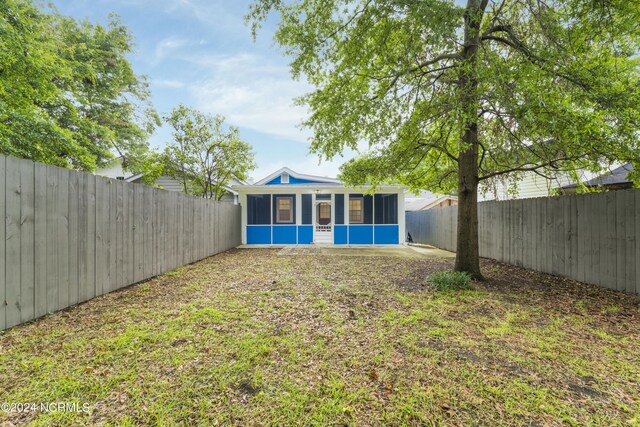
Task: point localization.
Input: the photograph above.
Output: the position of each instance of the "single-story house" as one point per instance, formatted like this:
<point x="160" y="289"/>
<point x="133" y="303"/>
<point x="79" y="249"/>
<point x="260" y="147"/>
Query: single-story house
<point x="290" y="208"/>
<point x="115" y="171"/>
<point x="616" y="179"/>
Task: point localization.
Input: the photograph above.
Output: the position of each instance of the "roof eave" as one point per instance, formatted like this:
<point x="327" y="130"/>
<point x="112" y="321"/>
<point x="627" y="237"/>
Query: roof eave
<point x="321" y="179"/>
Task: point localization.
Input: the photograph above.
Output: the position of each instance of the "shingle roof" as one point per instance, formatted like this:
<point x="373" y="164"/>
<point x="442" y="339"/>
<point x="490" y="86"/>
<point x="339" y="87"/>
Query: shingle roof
<point x="616" y="176"/>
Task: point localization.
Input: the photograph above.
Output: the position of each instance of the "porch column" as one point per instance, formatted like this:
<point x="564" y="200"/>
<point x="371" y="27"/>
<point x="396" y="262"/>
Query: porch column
<point x="346" y="215"/>
<point x="243" y="215"/>
<point x="401" y="218"/>
<point x="298" y="210"/>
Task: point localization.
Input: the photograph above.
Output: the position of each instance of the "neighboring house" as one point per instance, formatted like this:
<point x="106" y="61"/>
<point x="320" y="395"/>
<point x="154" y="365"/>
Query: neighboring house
<point x="523" y="186"/>
<point x="115" y="171"/>
<point x="530" y="184"/>
<point x="616" y="179"/>
<point x="527" y="185"/>
<point x="427" y="200"/>
<point x="288" y="208"/>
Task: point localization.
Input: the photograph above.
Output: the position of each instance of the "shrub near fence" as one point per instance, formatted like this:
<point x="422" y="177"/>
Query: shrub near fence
<point x="69" y="236"/>
<point x="593" y="238"/>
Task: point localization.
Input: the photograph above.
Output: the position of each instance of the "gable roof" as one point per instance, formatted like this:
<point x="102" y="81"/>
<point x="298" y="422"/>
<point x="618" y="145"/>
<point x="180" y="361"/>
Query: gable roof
<point x="615" y="177"/>
<point x="425" y="200"/>
<point x="303" y="178"/>
<point x="133" y="177"/>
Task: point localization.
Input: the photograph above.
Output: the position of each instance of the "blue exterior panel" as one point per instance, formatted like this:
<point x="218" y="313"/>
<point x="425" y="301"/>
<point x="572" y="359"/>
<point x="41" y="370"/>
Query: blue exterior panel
<point x="284" y="234"/>
<point x="386" y="234"/>
<point x="361" y="234"/>
<point x="340" y="234"/>
<point x="258" y="234"/>
<point x="278" y="181"/>
<point x="305" y="234"/>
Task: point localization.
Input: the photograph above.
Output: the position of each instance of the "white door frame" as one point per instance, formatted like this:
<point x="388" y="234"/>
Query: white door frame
<point x="316" y="203"/>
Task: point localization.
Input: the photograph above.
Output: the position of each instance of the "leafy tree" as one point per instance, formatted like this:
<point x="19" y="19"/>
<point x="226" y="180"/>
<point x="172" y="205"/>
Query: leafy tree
<point x="205" y="154"/>
<point x="451" y="95"/>
<point x="69" y="96"/>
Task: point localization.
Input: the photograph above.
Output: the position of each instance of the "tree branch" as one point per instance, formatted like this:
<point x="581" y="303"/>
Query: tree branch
<point x="525" y="168"/>
<point x="514" y="43"/>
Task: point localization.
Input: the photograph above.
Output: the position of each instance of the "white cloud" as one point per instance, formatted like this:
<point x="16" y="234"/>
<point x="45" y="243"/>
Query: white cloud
<point x="165" y="47"/>
<point x="206" y="11"/>
<point x="251" y="92"/>
<point x="168" y="83"/>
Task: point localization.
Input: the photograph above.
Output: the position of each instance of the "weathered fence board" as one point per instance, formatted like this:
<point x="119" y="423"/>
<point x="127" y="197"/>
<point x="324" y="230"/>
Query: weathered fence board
<point x="40" y="262"/>
<point x="62" y="204"/>
<point x="594" y="238"/>
<point x="74" y="201"/>
<point x="637" y="243"/>
<point x="27" y="240"/>
<point x="70" y="236"/>
<point x="12" y="242"/>
<point x="3" y="296"/>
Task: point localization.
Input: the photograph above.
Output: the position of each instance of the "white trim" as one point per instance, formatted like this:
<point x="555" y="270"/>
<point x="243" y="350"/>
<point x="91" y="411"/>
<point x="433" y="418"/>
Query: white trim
<point x="313" y="213"/>
<point x="296" y="175"/>
<point x="373" y="217"/>
<point x="401" y="219"/>
<point x="333" y="218"/>
<point x="312" y="189"/>
<point x="331" y="224"/>
<point x="243" y="215"/>
<point x="346" y="214"/>
<point x="298" y="209"/>
<point x="134" y="177"/>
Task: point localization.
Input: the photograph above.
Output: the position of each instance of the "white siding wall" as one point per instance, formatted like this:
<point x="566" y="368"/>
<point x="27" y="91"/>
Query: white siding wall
<point x="114" y="171"/>
<point x="168" y="183"/>
<point x="527" y="186"/>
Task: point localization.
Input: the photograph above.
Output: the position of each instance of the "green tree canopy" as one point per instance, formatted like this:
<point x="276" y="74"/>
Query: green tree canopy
<point x="205" y="154"/>
<point x="68" y="94"/>
<point x="449" y="95"/>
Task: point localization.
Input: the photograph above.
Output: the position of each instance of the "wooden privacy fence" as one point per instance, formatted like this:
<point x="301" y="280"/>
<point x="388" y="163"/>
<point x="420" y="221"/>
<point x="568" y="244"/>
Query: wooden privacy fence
<point x="69" y="236"/>
<point x="593" y="238"/>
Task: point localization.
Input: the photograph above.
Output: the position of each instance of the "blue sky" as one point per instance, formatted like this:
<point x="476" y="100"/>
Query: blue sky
<point x="201" y="53"/>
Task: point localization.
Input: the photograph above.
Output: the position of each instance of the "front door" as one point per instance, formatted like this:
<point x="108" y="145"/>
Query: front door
<point x="323" y="232"/>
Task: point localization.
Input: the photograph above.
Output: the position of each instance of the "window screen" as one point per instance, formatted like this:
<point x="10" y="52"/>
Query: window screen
<point x="325" y="211"/>
<point x="284" y="210"/>
<point x="258" y="209"/>
<point x="339" y="211"/>
<point x="386" y="208"/>
<point x="356" y="210"/>
<point x="307" y="206"/>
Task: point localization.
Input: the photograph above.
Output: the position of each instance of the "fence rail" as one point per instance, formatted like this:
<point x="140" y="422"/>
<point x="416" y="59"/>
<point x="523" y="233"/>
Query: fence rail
<point x="593" y="238"/>
<point x="70" y="236"/>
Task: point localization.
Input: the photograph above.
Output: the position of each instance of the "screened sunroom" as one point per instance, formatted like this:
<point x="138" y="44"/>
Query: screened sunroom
<point x="288" y="208"/>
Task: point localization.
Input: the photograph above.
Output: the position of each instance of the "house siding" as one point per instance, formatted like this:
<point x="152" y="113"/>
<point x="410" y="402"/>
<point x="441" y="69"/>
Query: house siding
<point x="528" y="186"/>
<point x="168" y="183"/>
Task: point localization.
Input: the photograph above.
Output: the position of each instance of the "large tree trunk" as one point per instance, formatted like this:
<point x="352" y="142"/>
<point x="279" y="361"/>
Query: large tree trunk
<point x="468" y="253"/>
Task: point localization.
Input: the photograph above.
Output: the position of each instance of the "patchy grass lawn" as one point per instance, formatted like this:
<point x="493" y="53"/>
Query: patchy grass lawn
<point x="250" y="337"/>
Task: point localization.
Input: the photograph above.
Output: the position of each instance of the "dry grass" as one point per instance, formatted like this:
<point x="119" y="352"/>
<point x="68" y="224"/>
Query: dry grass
<point x="252" y="338"/>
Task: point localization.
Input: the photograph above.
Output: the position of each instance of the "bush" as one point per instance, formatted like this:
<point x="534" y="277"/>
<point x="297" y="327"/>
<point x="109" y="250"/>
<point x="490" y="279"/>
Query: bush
<point x="450" y="280"/>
